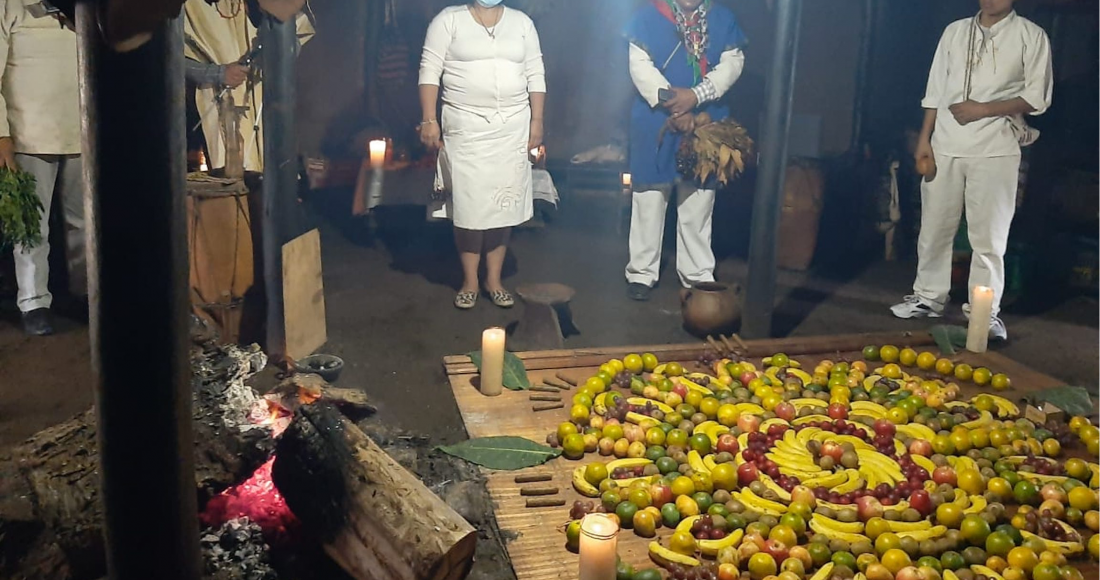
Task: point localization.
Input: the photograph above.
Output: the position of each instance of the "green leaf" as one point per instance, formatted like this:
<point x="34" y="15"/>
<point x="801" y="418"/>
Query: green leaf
<point x="503" y="452"/>
<point x="948" y="338"/>
<point x="20" y="209"/>
<point x="515" y="374"/>
<point x="1072" y="400"/>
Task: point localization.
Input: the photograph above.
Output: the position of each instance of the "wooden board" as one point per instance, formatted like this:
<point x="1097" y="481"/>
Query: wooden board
<point x="303" y="295"/>
<point x="538" y="552"/>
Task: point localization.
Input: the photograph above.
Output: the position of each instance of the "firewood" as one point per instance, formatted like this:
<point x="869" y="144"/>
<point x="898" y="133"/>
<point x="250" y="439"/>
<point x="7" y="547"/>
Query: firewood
<point x="544" y="398"/>
<point x="547" y="407"/>
<point x="537" y="502"/>
<point x="533" y="477"/>
<point x="572" y="382"/>
<point x="556" y="382"/>
<point x="544" y="389"/>
<point x="535" y="491"/>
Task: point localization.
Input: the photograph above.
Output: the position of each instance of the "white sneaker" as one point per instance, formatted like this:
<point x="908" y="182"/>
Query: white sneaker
<point x="913" y="307"/>
<point x="997" y="330"/>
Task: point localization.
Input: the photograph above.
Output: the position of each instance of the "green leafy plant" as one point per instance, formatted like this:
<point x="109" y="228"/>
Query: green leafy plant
<point x="515" y="374"/>
<point x="504" y="452"/>
<point x="20" y="209"/>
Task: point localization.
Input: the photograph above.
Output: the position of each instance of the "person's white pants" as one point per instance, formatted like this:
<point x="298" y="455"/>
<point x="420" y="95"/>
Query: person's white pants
<point x="986" y="187"/>
<point x="694" y="256"/>
<point x="61" y="174"/>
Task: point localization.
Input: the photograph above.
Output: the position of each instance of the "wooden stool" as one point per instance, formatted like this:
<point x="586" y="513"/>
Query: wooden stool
<point x="546" y="316"/>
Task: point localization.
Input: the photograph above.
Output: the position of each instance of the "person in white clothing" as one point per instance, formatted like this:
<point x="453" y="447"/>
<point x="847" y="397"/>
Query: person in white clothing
<point x="488" y="60"/>
<point x="989" y="71"/>
<point x="684" y="56"/>
<point x="40" y="134"/>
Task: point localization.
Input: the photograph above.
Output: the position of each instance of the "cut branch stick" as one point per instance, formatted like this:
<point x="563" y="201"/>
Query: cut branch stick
<point x="535" y="491"/>
<point x="556" y="382"/>
<point x="547" y="406"/>
<point x="544" y="389"/>
<point x="545" y="398"/>
<point x="534" y="477"/>
<point x="537" y="502"/>
<point x="566" y="378"/>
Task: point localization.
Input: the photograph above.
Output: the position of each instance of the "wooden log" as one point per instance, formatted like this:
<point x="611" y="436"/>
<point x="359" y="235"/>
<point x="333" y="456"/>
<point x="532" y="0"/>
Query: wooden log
<point x="374" y="517"/>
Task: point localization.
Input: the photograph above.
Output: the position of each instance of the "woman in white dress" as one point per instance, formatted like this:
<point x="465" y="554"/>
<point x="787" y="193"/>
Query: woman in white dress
<point x="488" y="60"/>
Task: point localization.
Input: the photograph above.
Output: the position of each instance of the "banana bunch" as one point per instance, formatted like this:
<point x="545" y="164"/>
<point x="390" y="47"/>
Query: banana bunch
<point x="843" y="527"/>
<point x="820" y="526"/>
<point x="802" y="403"/>
<point x="869" y="409"/>
<point x="916" y="431"/>
<point x="828" y="481"/>
<point x="854" y="481"/>
<point x="878" y="468"/>
<point x="664" y="557"/>
<point x="750" y="408"/>
<point x="810" y="419"/>
<point x="711" y="547"/>
<point x="644" y="421"/>
<point x="696" y="462"/>
<point x="759" y="504"/>
<point x="984" y="421"/>
<point x="711" y="429"/>
<point x="1005" y="408"/>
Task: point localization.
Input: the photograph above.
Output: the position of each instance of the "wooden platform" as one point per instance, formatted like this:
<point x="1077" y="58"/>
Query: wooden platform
<point x="538" y="552"/>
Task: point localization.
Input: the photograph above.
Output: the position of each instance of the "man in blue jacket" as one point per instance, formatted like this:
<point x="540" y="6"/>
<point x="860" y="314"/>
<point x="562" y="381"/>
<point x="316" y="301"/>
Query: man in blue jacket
<point x="684" y="56"/>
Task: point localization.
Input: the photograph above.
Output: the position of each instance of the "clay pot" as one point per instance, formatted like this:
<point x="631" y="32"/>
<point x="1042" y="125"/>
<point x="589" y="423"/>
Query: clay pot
<point x="711" y="307"/>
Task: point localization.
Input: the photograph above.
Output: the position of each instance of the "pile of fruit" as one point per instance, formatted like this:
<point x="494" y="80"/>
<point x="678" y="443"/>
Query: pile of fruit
<point x="851" y="471"/>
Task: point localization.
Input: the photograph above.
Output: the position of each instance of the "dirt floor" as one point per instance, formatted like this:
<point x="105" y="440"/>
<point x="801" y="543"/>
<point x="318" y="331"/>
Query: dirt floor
<point x="388" y="290"/>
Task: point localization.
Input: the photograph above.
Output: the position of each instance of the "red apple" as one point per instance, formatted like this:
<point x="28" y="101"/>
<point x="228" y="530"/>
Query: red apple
<point x="885" y="428"/>
<point x="832" y="449"/>
<point x="727" y="443"/>
<point x="680" y="389"/>
<point x="868" y="507"/>
<point x="746" y="377"/>
<point x="944" y="474"/>
<point x="747" y="473"/>
<point x="920" y="447"/>
<point x="838" y="411"/>
<point x="785" y="411"/>
<point x="778" y="550"/>
<point x="754" y="539"/>
<point x="748" y="423"/>
<point x="803" y="494"/>
<point x="921" y="501"/>
<point x="660" y="494"/>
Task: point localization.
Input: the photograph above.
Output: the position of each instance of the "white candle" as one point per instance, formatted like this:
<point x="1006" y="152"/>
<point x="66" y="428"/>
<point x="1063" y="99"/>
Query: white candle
<point x="626" y="181"/>
<point x="598" y="545"/>
<point x="492" y="361"/>
<point x="377" y="153"/>
<point x="202" y="162"/>
<point x="981" y="312"/>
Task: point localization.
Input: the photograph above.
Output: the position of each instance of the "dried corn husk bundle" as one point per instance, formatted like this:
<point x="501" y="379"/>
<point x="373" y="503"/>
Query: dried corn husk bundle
<point x="715" y="148"/>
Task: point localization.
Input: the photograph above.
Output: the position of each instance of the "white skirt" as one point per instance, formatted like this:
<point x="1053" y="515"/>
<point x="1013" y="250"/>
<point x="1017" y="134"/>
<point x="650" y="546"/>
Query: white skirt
<point x="484" y="170"/>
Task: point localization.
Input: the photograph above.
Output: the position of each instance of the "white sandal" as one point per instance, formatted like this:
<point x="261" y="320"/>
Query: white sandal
<point x="502" y="298"/>
<point x="465" y="300"/>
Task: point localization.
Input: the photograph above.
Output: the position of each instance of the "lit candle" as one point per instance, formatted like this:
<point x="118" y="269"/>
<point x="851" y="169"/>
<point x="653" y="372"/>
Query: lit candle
<point x="981" y="313"/>
<point x="377" y="153"/>
<point x="626" y="181"/>
<point x="492" y="361"/>
<point x="598" y="545"/>
<point x="202" y="161"/>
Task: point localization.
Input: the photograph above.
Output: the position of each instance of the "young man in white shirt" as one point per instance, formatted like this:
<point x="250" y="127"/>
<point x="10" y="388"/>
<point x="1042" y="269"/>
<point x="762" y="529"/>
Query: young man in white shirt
<point x="988" y="73"/>
<point x="40" y="134"/>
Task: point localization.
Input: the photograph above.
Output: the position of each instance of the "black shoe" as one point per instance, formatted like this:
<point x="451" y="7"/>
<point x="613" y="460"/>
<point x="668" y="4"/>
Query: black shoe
<point x="636" y="291"/>
<point x="38" y="322"/>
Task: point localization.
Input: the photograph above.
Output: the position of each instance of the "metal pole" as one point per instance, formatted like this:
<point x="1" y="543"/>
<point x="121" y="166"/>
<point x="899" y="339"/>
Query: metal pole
<point x="280" y="189"/>
<point x="863" y="66"/>
<point x="760" y="292"/>
<point x="134" y="170"/>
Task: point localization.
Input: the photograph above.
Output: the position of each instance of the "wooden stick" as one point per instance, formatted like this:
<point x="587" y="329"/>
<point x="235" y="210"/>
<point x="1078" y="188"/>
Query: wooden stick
<point x="740" y="342"/>
<point x="729" y="345"/>
<point x="564" y="377"/>
<point x="714" y="344"/>
<point x="545" y="502"/>
<point x="547" y="406"/>
<point x="528" y="491"/>
<point x="545" y="397"/>
<point x="555" y="382"/>
<point x="544" y="389"/>
<point x="534" y="477"/>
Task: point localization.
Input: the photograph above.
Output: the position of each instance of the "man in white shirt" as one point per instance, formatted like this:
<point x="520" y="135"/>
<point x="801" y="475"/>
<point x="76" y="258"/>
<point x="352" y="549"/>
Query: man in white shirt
<point x="989" y="71"/>
<point x="692" y="50"/>
<point x="40" y="134"/>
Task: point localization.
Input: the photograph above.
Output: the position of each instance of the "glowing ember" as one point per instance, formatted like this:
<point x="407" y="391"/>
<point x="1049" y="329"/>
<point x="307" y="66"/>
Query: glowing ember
<point x="256" y="499"/>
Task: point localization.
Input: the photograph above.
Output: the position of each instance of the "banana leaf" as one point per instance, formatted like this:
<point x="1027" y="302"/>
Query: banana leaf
<point x="1072" y="400"/>
<point x="515" y="374"/>
<point x="504" y="452"/>
<point x="949" y="338"/>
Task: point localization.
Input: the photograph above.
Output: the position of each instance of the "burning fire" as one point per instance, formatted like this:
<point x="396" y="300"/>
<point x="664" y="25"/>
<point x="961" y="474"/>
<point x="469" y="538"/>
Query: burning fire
<point x="270" y="413"/>
<point x="256" y="498"/>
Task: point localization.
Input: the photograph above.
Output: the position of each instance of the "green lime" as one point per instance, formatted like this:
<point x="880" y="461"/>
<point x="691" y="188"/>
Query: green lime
<point x="670" y="515"/>
<point x="930" y="562"/>
<point x="844" y="559"/>
<point x="626" y="511"/>
<point x="871" y="353"/>
<point x="654" y="453"/>
<point x="703" y="499"/>
<point x="1025" y="492"/>
<point x="952" y="560"/>
<point x="666" y="465"/>
<point x="819" y="552"/>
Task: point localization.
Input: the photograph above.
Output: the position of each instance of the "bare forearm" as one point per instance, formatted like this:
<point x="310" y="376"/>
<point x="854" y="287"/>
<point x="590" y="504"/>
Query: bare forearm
<point x="538" y="105"/>
<point x="429" y="100"/>
<point x="928" y="125"/>
<point x="1008" y="108"/>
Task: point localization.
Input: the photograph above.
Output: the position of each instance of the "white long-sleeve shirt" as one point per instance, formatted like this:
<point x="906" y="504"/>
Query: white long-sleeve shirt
<point x="482" y="73"/>
<point x="1010" y="59"/>
<point x="39" y="93"/>
<point x="648" y="78"/>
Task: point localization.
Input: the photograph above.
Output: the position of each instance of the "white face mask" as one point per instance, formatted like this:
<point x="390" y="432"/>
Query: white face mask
<point x="488" y="3"/>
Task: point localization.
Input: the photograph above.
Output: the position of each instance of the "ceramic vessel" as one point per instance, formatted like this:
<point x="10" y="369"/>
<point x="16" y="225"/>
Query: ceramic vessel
<point x="711" y="307"/>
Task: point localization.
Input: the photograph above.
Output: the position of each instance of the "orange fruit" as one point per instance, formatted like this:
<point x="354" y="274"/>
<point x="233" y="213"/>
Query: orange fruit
<point x="926" y="360"/>
<point x="889" y="353"/>
<point x="1077" y="422"/>
<point x="1082" y="498"/>
<point x="907" y="357"/>
<point x="949" y="514"/>
<point x="891" y="371"/>
<point x="971" y="481"/>
<point x="761" y="565"/>
<point x="684" y="543"/>
<point x="982" y="376"/>
<point x="944" y="366"/>
<point x="895" y="559"/>
<point x="1001" y="382"/>
<point x="963" y="372"/>
<point x="1022" y="558"/>
<point x="683" y="486"/>
<point x="886" y="542"/>
<point x="724" y="476"/>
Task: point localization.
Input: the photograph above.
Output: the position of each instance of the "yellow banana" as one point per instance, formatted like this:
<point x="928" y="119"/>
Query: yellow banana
<point x="921" y="535"/>
<point x="982" y="421"/>
<point x="844" y="527"/>
<point x="870" y="408"/>
<point x="759" y="504"/>
<point x="750" y="408"/>
<point x="924" y="462"/>
<point x="686" y="523"/>
<point x="769" y="422"/>
<point x="810" y="419"/>
<point x="1066" y="548"/>
<point x="665" y="557"/>
<point x="977" y="504"/>
<point x="713" y="431"/>
<point x="824" y="573"/>
<point x="916" y="431"/>
<point x="897" y="526"/>
<point x="599" y="404"/>
<point x="696" y="462"/>
<point x="853" y="483"/>
<point x="641" y="420"/>
<point x="660" y="369"/>
<point x="710" y="462"/>
<point x="693" y="386"/>
<point x="800" y="404"/>
<point x="832" y="534"/>
<point x="949" y="575"/>
<point x="802" y="375"/>
<point x="986" y="571"/>
<point x="792" y="462"/>
<point x="582" y="486"/>
<point x="712" y="547"/>
<point x="772" y="485"/>
<point x="642" y="402"/>
<point x="827" y="481"/>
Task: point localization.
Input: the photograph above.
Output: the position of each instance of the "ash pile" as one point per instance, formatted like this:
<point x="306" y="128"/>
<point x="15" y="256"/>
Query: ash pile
<point x="236" y="551"/>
